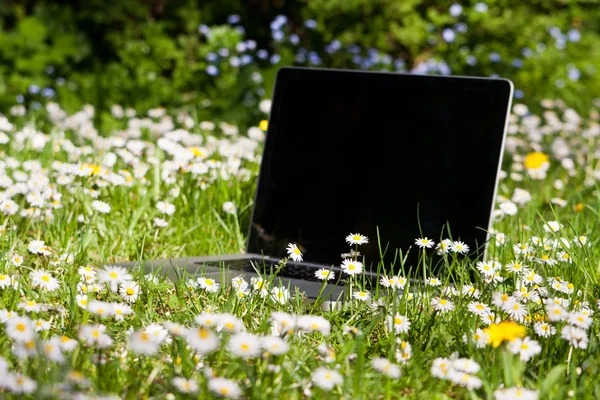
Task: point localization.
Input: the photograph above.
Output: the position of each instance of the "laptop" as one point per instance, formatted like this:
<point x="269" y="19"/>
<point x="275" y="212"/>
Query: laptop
<point x="391" y="156"/>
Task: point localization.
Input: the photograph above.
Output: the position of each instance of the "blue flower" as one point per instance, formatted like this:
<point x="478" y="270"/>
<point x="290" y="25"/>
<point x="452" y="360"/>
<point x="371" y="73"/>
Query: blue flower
<point x="246" y="59"/>
<point x="33" y="89"/>
<point x="455" y="9"/>
<point x="481" y="7"/>
<point x="212" y="70"/>
<point x="517" y="63"/>
<point x="275" y="58"/>
<point x="224" y="52"/>
<point x="448" y="35"/>
<point x="574" y="74"/>
<point x="211" y="57"/>
<point x="234" y="61"/>
<point x="294" y="39"/>
<point x="277" y="36"/>
<point x="519" y="94"/>
<point x="233" y="19"/>
<point x="262" y="54"/>
<point x="20" y="98"/>
<point x="494" y="57"/>
<point x="48" y="92"/>
<point x="310" y="23"/>
<point x="574" y="35"/>
<point x="204" y="29"/>
<point x="471" y="60"/>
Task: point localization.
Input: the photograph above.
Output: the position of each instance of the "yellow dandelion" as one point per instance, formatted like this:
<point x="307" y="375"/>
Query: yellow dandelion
<point x="504" y="331"/>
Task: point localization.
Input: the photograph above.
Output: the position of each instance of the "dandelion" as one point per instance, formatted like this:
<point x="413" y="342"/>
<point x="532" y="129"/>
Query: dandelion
<point x="536" y="160"/>
<point x="386" y="367"/>
<point x="165" y="208"/>
<point x="100" y="206"/>
<point x="325" y="274"/>
<point x="356" y="239"/>
<point x="224" y="388"/>
<point x="294" y="252"/>
<point x="326" y="379"/>
<point x="208" y="284"/>
<point x="424" y="243"/>
<point x="44" y="280"/>
<point x="352" y="267"/>
<point x="504" y="331"/>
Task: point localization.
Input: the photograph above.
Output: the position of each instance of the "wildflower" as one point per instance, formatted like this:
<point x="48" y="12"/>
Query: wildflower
<point x="30" y="306"/>
<point x="229" y="323"/>
<point x="504" y="331"/>
<point x="129" y="290"/>
<point x="556" y="312"/>
<point x="459" y="247"/>
<point x="580" y="320"/>
<point x="516" y="267"/>
<point x="43" y="279"/>
<point x="274" y="345"/>
<point x="202" y="340"/>
<point x="120" y="309"/>
<point x="576" y="337"/>
<point x="5" y="281"/>
<point x="100" y="206"/>
<point x="326" y="379"/>
<point x="280" y="294"/>
<point x="479" y="309"/>
<point x="19" y="384"/>
<point x="443" y="247"/>
<point x="386" y="367"/>
<point x="515" y="310"/>
<point x="53" y="350"/>
<point x="16" y="260"/>
<point x="208" y="284"/>
<point x="356" y="239"/>
<point x="20" y="329"/>
<point x="229" y="208"/>
<point x="239" y="283"/>
<point x="553" y="226"/>
<point x="481" y="338"/>
<point x="160" y="223"/>
<point x="314" y="323"/>
<point x="114" y="276"/>
<point x="283" y="323"/>
<point x="244" y="345"/>
<point x="516" y="393"/>
<point x="403" y="351"/>
<point x="360" y="295"/>
<point x="442" y="305"/>
<point x="526" y="348"/>
<point x="224" y="388"/>
<point x="38" y="247"/>
<point x="40" y="325"/>
<point x="466" y="365"/>
<point x="469" y="290"/>
<point x="398" y="323"/>
<point x="544" y="329"/>
<point x="100" y="308"/>
<point x="294" y="252"/>
<point x="424" y="243"/>
<point x="536" y="160"/>
<point x="185" y="385"/>
<point x="140" y="342"/>
<point x="433" y="282"/>
<point x="440" y="367"/>
<point x="325" y="274"/>
<point x="9" y="207"/>
<point x="351" y="267"/>
<point x="464" y="379"/>
<point x="94" y="335"/>
<point x="165" y="208"/>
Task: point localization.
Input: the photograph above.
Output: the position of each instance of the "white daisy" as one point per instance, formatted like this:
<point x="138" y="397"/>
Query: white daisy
<point x="185" y="385"/>
<point x="294" y="252"/>
<point x="229" y="208"/>
<point x="325" y="274"/>
<point x="224" y="388"/>
<point x="352" y="267"/>
<point x="326" y="379"/>
<point x="165" y="208"/>
<point x="43" y="279"/>
<point x="442" y="305"/>
<point x="424" y="243"/>
<point x="459" y="247"/>
<point x="544" y="329"/>
<point x="129" y="290"/>
<point x="244" y="345"/>
<point x="202" y="340"/>
<point x="356" y="239"/>
<point x="100" y="206"/>
<point x="208" y="284"/>
<point x="360" y="295"/>
<point x="386" y="367"/>
<point x="526" y="348"/>
<point x="274" y="345"/>
<point x="398" y="323"/>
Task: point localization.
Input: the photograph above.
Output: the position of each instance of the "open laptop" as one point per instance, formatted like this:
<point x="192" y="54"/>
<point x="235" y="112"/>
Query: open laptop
<point x="391" y="156"/>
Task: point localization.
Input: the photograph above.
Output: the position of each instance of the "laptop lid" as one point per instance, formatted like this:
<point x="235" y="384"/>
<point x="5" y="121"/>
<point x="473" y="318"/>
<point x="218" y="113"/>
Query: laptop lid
<point x="390" y="156"/>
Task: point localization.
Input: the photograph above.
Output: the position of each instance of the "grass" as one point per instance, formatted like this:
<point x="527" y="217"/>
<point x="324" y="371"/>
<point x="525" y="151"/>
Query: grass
<point x="181" y="336"/>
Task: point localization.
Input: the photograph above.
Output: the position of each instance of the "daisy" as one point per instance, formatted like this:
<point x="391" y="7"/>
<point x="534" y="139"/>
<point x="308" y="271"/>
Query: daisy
<point x="314" y="323"/>
<point x="230" y="323"/>
<point x="466" y="365"/>
<point x="207" y="319"/>
<point x="386" y="367"/>
<point x="208" y="284"/>
<point x="20" y="329"/>
<point x="114" y="276"/>
<point x="556" y="312"/>
<point x="160" y="223"/>
<point x="424" y="243"/>
<point x="239" y="283"/>
<point x="433" y="282"/>
<point x="479" y="309"/>
<point x="294" y="252"/>
<point x="140" y="342"/>
<point x="544" y="329"/>
<point x="516" y="393"/>
<point x="526" y="348"/>
<point x="442" y="305"/>
<point x="274" y="345"/>
<point x="326" y="379"/>
<point x="325" y="274"/>
<point x="86" y="273"/>
<point x="120" y="310"/>
<point x="30" y="306"/>
<point x="202" y="340"/>
<point x="516" y="267"/>
<point x="130" y="291"/>
<point x="579" y="319"/>
<point x="280" y="294"/>
<point x="16" y="260"/>
<point x="352" y="267"/>
<point x="224" y="388"/>
<point x="459" y="247"/>
<point x="5" y="281"/>
<point x="229" y="208"/>
<point x="185" y="385"/>
<point x="443" y="247"/>
<point x="480" y="338"/>
<point x="40" y="325"/>
<point x="398" y="323"/>
<point x="53" y="350"/>
<point x="464" y="379"/>
<point x="100" y="206"/>
<point x="575" y="336"/>
<point x="441" y="367"/>
<point x="469" y="290"/>
<point x="282" y="323"/>
<point x="38" y="247"/>
<point x="165" y="208"/>
<point x="515" y="310"/>
<point x="363" y="296"/>
<point x="553" y="226"/>
<point x="100" y="308"/>
<point x="356" y="239"/>
<point x="94" y="335"/>
<point x="244" y="345"/>
<point x="20" y="384"/>
<point x="42" y="279"/>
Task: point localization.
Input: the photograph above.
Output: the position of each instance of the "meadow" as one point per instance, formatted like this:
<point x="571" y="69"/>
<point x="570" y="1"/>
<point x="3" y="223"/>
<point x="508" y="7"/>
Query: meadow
<point x="75" y="200"/>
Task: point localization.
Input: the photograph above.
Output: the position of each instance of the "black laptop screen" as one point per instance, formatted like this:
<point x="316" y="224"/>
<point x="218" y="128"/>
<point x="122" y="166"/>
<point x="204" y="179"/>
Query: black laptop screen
<point x="351" y="152"/>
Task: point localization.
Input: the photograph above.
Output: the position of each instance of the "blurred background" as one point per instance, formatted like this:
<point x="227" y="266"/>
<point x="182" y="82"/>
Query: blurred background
<point x="218" y="58"/>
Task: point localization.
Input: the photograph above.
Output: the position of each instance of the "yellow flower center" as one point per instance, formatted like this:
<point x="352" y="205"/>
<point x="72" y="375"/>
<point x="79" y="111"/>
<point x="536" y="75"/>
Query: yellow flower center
<point x="130" y="291"/>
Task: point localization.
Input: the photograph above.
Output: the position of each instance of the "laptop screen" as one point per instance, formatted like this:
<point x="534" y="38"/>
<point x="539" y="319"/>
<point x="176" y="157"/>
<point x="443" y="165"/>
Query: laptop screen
<point x="390" y="156"/>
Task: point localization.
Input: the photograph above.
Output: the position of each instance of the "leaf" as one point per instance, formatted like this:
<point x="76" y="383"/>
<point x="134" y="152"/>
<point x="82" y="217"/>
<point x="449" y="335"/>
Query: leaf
<point x="552" y="378"/>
